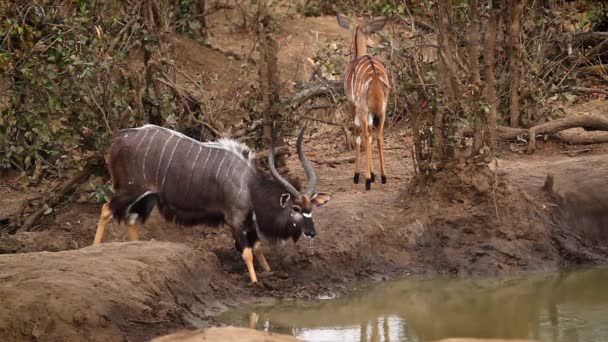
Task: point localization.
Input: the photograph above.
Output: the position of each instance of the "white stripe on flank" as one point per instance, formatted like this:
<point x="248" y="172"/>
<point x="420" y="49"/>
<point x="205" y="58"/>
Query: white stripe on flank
<point x="223" y="144"/>
<point x="200" y="148"/>
<point x="352" y="86"/>
<point x="242" y="182"/>
<point x="169" y="163"/>
<point x="143" y="164"/>
<point x="213" y="162"/>
<point x="206" y="159"/>
<point x="227" y="174"/>
<point x="142" y="140"/>
<point x="219" y="168"/>
<point x="188" y="153"/>
<point x="160" y="159"/>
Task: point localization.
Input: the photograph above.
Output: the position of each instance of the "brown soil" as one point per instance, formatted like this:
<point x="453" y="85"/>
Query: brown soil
<point x="462" y="225"/>
<point x="143" y="289"/>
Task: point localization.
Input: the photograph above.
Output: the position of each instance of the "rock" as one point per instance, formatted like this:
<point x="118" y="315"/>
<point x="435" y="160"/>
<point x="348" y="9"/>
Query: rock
<point x="226" y="334"/>
<point x="481" y="340"/>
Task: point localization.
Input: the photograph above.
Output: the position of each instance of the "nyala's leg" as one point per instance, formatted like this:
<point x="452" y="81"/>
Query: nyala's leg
<point x="358" y="133"/>
<point x="104" y="218"/>
<point x="381" y="149"/>
<point x="133" y="236"/>
<point x="242" y="244"/>
<point x="259" y="254"/>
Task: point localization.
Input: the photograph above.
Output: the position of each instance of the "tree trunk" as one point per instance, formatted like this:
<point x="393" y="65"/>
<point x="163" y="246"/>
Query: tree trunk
<point x="269" y="81"/>
<point x="204" y="32"/>
<point x="489" y="91"/>
<point x="155" y="24"/>
<point x="514" y="48"/>
<point x="475" y="79"/>
<point x="448" y="82"/>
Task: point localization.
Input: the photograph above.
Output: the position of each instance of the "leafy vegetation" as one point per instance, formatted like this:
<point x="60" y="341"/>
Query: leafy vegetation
<point x="66" y="91"/>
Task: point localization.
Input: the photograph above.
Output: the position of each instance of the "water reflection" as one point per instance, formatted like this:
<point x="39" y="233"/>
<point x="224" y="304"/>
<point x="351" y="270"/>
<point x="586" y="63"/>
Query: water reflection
<point x="567" y="306"/>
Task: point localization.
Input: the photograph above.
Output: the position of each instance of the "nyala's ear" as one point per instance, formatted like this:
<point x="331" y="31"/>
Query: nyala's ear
<point x="343" y="21"/>
<point x="284" y="199"/>
<point x="320" y="198"/>
<point x="375" y="25"/>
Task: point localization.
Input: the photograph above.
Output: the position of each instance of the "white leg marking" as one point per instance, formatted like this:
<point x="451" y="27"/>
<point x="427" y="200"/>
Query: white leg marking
<point x="132" y="218"/>
<point x="358" y="140"/>
<point x="169" y="162"/>
<point x="370" y="119"/>
<point x="143" y="164"/>
<point x="160" y="159"/>
<point x="357" y="123"/>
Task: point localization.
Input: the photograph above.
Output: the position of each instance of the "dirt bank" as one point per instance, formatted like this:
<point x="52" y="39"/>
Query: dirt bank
<point x="107" y="292"/>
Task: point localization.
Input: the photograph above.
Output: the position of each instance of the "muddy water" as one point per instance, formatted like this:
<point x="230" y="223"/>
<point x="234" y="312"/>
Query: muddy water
<point x="568" y="306"/>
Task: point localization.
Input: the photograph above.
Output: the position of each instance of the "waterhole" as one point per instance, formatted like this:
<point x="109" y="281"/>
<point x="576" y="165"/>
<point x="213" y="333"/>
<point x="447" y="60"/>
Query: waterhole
<point x="567" y="306"/>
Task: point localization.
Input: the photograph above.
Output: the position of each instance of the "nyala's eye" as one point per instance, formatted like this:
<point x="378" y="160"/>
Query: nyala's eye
<point x="297" y="209"/>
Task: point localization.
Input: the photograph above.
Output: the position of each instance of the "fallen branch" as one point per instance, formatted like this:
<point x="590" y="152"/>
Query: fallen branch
<point x="510" y="133"/>
<point x="422" y="26"/>
<point x="597" y="50"/>
<point x="589" y="39"/>
<point x="336" y="161"/>
<point x="574" y="153"/>
<point x="585" y="121"/>
<point x="318" y="90"/>
<point x="58" y="192"/>
<point x="321" y="121"/>
<point x="227" y="53"/>
<point x="503" y="132"/>
<point x="278" y="152"/>
<point x="594" y="70"/>
<point x="582" y="137"/>
<point x="582" y="90"/>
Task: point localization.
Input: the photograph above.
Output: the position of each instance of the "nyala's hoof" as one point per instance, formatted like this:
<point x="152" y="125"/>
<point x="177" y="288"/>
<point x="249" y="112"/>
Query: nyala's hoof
<point x="383" y="179"/>
<point x="356" y="178"/>
<point x="373" y="177"/>
<point x="368" y="184"/>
